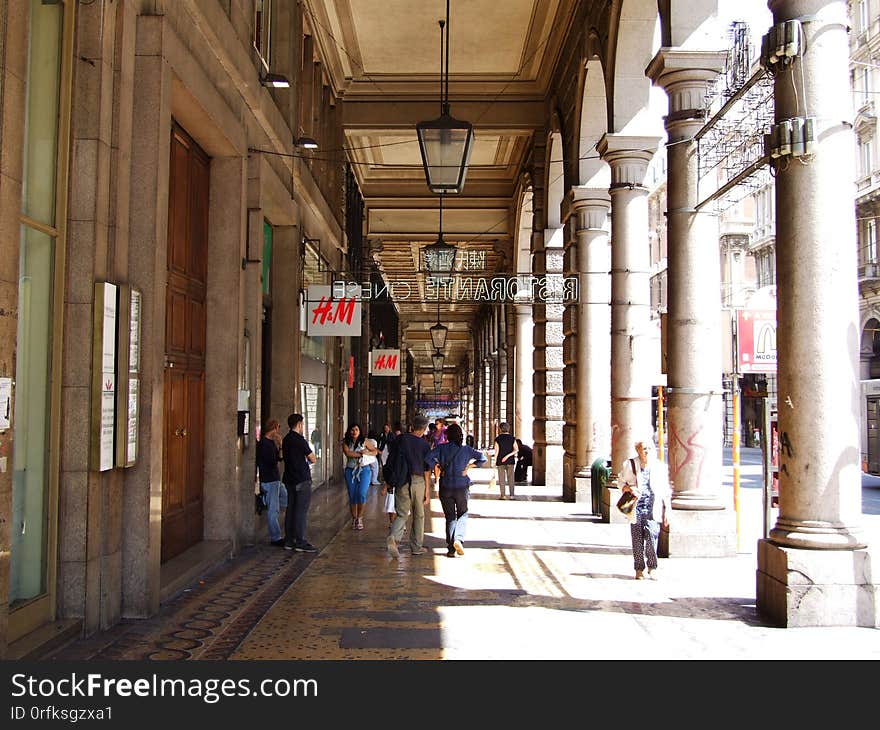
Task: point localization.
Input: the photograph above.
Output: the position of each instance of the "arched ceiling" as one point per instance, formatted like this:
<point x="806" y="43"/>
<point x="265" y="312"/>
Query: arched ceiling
<point x="382" y="57"/>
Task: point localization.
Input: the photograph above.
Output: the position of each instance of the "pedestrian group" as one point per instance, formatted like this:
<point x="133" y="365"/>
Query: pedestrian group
<point x="433" y="458"/>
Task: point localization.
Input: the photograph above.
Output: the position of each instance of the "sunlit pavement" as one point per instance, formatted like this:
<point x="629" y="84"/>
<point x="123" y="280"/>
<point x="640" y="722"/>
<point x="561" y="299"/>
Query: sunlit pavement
<point x="539" y="579"/>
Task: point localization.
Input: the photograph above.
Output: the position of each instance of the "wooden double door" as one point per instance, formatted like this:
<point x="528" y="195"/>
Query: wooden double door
<point x="183" y="467"/>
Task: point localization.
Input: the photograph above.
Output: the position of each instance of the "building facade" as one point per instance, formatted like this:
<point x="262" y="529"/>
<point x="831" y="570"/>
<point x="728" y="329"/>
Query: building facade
<point x="164" y="224"/>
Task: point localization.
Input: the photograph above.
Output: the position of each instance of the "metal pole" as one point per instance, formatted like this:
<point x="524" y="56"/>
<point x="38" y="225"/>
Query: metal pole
<point x="767" y="446"/>
<point x="660" y="424"/>
<point x="736" y="430"/>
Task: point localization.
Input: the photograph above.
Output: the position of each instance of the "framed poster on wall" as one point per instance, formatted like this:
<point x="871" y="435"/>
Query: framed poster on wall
<point x="129" y="364"/>
<point x="103" y="441"/>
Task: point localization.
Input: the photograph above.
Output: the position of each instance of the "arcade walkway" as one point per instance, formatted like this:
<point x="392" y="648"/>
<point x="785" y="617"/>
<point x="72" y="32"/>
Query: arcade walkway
<point x="539" y="579"/>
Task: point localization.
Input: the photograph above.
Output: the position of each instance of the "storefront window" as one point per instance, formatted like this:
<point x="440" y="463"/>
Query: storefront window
<point x="314" y="405"/>
<point x="30" y="478"/>
<point x="41" y="124"/>
<point x="314" y="272"/>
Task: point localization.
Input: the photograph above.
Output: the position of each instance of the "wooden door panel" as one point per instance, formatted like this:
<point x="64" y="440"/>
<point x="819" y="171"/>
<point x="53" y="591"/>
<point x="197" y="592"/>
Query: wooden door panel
<point x="176" y="323"/>
<point x="178" y="205"/>
<point x="196" y="323"/>
<point x="198" y="250"/>
<point x="185" y="323"/>
<point x="173" y="482"/>
<point x="195" y="447"/>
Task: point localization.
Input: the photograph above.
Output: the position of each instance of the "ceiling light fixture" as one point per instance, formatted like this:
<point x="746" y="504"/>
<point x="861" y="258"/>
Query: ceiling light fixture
<point x="276" y="81"/>
<point x="445" y="142"/>
<point x="306" y="143"/>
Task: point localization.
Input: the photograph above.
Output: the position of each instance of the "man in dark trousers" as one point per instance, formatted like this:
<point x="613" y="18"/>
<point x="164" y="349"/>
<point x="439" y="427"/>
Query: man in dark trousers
<point x="298" y="479"/>
<point x="416" y="495"/>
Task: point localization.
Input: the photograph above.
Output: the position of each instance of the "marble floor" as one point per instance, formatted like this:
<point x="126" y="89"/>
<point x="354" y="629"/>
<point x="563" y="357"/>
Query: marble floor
<point x="539" y="579"/>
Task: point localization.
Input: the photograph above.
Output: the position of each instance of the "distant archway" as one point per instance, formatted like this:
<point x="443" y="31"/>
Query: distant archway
<point x="555" y="180"/>
<point x="593" y="172"/>
<point x="870" y="349"/>
<point x="633" y="41"/>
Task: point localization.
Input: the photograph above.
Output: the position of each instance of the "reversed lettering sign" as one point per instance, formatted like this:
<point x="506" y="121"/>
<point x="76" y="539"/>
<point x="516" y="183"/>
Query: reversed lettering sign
<point x="385" y="362"/>
<point x="331" y="315"/>
<point x="756" y="341"/>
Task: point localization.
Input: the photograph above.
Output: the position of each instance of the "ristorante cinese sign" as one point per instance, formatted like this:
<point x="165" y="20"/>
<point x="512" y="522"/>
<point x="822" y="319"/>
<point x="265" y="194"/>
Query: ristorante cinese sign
<point x="463" y="287"/>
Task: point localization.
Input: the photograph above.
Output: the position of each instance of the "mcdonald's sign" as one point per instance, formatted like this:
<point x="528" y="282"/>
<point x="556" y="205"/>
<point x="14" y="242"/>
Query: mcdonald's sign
<point x="756" y="341"/>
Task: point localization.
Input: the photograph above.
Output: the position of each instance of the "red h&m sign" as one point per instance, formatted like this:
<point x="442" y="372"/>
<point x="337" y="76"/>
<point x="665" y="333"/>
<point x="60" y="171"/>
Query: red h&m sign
<point x="756" y="341"/>
<point x="330" y="315"/>
<point x="385" y="362"/>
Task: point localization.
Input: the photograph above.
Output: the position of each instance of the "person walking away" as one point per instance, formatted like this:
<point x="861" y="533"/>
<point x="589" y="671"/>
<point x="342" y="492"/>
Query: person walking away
<point x="648" y="479"/>
<point x="454" y="460"/>
<point x="523" y="462"/>
<point x="505" y="459"/>
<point x="414" y="495"/>
<point x="298" y="456"/>
<point x="268" y="456"/>
<point x="357" y="478"/>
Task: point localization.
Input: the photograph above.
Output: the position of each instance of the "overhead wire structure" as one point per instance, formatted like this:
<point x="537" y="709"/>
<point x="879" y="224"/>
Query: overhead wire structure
<point x="730" y="145"/>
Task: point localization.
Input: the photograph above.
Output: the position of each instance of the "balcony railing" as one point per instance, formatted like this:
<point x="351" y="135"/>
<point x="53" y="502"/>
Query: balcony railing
<point x="869" y="273"/>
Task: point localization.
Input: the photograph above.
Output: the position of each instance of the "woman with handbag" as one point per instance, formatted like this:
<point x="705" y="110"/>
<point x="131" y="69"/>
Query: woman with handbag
<point x="357" y="475"/>
<point x="648" y="480"/>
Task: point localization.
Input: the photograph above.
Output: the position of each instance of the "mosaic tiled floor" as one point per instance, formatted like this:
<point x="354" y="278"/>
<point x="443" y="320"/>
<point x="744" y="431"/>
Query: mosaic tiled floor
<point x="539" y="579"/>
<point x="211" y="617"/>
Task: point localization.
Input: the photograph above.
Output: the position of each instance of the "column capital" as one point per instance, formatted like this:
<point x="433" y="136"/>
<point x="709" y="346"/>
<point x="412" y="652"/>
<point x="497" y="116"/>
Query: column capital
<point x="685" y="76"/>
<point x="675" y="65"/>
<point x="628" y="156"/>
<point x="590" y="205"/>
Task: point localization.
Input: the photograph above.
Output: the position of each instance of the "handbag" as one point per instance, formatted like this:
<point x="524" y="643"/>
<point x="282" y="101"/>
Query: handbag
<point x="627" y="502"/>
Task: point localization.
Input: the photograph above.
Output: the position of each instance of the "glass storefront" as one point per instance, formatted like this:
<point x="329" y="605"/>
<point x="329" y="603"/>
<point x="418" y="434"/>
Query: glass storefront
<point x="315" y="426"/>
<point x="314" y="358"/>
<point x="31" y="504"/>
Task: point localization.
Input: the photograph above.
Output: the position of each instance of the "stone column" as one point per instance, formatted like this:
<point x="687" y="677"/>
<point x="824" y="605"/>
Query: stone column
<point x="702" y="527"/>
<point x="628" y="158"/>
<point x="814" y="570"/>
<point x="524" y="355"/>
<point x="404" y="382"/>
<point x="285" y="321"/>
<point x="548" y="339"/>
<point x="590" y="209"/>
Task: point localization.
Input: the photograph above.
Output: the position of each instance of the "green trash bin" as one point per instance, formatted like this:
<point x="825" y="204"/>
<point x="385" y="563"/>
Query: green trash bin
<point x="600" y="473"/>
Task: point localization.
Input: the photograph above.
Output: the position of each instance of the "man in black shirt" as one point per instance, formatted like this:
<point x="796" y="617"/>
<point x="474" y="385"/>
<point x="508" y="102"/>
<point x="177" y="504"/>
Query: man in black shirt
<point x="268" y="456"/>
<point x="298" y="479"/>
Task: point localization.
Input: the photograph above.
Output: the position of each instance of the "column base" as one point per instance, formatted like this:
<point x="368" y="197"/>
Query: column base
<point x="702" y="533"/>
<point x="570" y="472"/>
<point x="582" y="491"/>
<point x="816" y="587"/>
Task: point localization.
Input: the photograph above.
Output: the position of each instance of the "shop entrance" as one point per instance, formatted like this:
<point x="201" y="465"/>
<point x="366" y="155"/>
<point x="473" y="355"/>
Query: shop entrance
<point x="874" y="435"/>
<point x="183" y="466"/>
